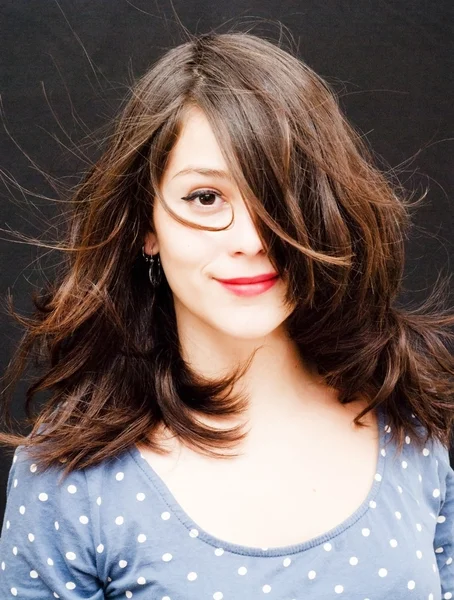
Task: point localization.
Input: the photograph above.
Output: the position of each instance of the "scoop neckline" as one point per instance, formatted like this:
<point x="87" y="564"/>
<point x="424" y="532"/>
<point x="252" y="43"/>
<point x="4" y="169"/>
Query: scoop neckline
<point x="196" y="531"/>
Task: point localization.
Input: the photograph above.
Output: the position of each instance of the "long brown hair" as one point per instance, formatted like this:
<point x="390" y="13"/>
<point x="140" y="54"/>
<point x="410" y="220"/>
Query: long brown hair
<point x="334" y="224"/>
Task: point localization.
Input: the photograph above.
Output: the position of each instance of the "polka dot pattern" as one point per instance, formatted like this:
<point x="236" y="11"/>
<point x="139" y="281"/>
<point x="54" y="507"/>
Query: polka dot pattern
<point x="121" y="515"/>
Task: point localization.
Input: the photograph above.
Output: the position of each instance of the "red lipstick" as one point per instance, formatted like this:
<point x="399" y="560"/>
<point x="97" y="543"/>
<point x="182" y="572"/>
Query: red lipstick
<point x="250" y="286"/>
<point x="246" y="280"/>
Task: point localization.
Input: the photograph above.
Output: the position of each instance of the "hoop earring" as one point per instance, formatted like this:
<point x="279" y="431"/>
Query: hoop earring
<point x="154" y="274"/>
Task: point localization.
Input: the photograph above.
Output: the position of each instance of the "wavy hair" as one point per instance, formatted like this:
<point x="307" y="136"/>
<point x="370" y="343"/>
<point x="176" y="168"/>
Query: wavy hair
<point x="333" y="222"/>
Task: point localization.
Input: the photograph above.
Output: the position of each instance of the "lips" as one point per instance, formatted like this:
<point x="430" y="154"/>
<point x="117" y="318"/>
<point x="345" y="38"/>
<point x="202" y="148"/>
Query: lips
<point x="249" y="280"/>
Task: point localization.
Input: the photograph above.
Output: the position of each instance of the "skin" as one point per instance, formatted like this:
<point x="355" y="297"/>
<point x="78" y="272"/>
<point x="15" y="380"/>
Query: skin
<point x="216" y="327"/>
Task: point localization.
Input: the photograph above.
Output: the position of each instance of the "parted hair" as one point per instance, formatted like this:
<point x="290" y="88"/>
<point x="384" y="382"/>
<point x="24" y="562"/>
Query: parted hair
<point x="333" y="222"/>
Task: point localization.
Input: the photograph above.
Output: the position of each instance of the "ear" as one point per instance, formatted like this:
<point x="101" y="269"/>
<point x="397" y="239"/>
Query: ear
<point x="151" y="243"/>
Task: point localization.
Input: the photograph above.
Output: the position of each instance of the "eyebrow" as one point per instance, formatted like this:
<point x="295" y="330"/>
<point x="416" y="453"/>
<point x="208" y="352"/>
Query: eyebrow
<point x="219" y="173"/>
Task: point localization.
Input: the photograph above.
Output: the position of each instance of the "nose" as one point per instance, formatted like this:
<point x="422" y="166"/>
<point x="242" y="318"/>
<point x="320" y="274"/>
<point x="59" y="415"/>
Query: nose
<point x="243" y="237"/>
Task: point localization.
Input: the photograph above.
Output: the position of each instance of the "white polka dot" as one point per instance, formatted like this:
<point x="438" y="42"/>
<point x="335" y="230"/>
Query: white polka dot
<point x="400" y="489"/>
<point x="3" y="565"/>
<point x="31" y="537"/>
<point x="72" y="489"/>
<point x="373" y="504"/>
<point x="339" y="589"/>
<point x="287" y="561"/>
<point x="15" y="483"/>
<point x="353" y="560"/>
<point x="123" y="564"/>
<point x="193" y="533"/>
<point x="141" y="538"/>
<point x="33" y="574"/>
<point x="166" y="557"/>
<point x="83" y="519"/>
<point x="418" y="526"/>
<point x="449" y="561"/>
<point x="8" y="524"/>
<point x="398" y="515"/>
<point x="312" y="574"/>
<point x="22" y="509"/>
<point x="14" y="591"/>
<point x="119" y="476"/>
<point x="419" y="553"/>
<point x="447" y="596"/>
<point x="100" y="548"/>
<point x="393" y="543"/>
<point x="14" y="458"/>
<point x="266" y="589"/>
<point x="377" y="477"/>
<point x="33" y="468"/>
<point x="70" y="556"/>
<point x="439" y="550"/>
<point x="383" y="452"/>
<point x="140" y="496"/>
<point x="426" y="452"/>
<point x="119" y="520"/>
<point x="98" y="500"/>
<point x="242" y="571"/>
<point x="365" y="531"/>
<point x="141" y="581"/>
<point x="411" y="585"/>
<point x="436" y="493"/>
<point x="165" y="516"/>
<point x="327" y="546"/>
<point x="43" y="496"/>
<point x="219" y="551"/>
<point x="128" y="594"/>
<point x="192" y="576"/>
<point x="56" y="525"/>
<point x="218" y="596"/>
<point x="407" y="439"/>
<point x="70" y="585"/>
<point x="15" y="550"/>
<point x="441" y="519"/>
<point x="382" y="572"/>
<point x="50" y="562"/>
<point x="404" y="464"/>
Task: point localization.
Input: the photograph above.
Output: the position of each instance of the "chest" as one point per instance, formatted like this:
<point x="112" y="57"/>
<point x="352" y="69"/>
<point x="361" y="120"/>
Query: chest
<point x="291" y="489"/>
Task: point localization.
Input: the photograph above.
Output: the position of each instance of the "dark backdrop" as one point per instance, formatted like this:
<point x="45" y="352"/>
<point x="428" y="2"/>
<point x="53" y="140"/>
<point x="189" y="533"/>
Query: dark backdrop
<point x="65" y="66"/>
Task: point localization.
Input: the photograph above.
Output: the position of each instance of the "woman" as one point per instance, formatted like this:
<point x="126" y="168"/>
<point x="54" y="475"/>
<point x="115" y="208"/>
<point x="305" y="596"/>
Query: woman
<point x="209" y="436"/>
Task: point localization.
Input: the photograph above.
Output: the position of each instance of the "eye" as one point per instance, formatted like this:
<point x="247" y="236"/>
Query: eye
<point x="206" y="197"/>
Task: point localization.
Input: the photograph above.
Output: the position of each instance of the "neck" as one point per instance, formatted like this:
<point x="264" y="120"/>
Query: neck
<point x="280" y="384"/>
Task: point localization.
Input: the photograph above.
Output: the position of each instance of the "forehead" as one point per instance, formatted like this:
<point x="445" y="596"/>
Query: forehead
<point x="196" y="147"/>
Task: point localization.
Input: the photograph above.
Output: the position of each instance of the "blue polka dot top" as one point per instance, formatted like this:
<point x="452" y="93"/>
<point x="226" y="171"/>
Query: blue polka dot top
<point x="116" y="531"/>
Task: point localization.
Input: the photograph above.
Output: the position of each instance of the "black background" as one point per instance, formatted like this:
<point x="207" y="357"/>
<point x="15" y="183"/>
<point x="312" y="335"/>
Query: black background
<point x="65" y="68"/>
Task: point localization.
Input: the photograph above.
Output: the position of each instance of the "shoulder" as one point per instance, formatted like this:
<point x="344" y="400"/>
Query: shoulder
<point x="42" y="505"/>
<point x="41" y="487"/>
<point x="48" y="538"/>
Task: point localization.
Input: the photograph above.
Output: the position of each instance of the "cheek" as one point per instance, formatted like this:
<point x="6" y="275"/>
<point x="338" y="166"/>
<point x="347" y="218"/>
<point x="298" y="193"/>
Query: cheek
<point x="186" y="257"/>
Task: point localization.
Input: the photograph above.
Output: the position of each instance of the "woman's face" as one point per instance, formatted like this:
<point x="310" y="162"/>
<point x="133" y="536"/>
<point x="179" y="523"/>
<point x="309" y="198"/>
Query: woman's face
<point x="193" y="259"/>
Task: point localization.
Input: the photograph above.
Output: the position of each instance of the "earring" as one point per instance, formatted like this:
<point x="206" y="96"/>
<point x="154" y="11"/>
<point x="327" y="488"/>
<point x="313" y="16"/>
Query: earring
<point x="155" y="275"/>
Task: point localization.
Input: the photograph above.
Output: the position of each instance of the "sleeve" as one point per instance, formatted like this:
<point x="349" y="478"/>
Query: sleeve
<point x="444" y="530"/>
<point x="46" y="543"/>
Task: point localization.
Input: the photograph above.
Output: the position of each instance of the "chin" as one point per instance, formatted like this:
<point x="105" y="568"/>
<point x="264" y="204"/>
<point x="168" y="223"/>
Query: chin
<point x="249" y="331"/>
